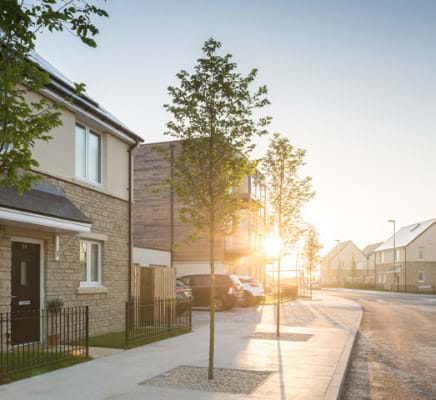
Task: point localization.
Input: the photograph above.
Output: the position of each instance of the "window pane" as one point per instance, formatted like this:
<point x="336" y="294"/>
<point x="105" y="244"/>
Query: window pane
<point x="94" y="157"/>
<point x="23" y="273"/>
<point x="83" y="261"/>
<point x="80" y="152"/>
<point x="94" y="262"/>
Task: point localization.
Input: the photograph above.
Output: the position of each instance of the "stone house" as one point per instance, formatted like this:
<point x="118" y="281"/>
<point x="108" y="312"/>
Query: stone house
<point x="157" y="226"/>
<point x="69" y="237"/>
<point x="410" y="263"/>
<point x="343" y="265"/>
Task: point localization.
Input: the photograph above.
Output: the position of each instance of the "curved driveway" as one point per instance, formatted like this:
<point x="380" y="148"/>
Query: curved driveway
<point x="395" y="354"/>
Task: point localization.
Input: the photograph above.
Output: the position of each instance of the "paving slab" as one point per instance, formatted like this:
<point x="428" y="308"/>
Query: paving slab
<point x="311" y="369"/>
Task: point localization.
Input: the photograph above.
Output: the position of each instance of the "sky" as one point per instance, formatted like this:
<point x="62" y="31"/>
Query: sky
<point x="352" y="82"/>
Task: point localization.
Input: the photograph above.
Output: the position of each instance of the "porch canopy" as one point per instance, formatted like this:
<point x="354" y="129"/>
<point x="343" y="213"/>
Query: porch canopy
<point x="42" y="209"/>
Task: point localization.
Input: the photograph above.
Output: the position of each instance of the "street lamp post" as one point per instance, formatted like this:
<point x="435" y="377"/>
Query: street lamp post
<point x="396" y="283"/>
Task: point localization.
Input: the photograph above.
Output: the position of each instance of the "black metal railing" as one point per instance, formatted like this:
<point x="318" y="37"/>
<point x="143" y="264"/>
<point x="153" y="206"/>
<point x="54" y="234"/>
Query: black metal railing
<point x="153" y="320"/>
<point x="40" y="338"/>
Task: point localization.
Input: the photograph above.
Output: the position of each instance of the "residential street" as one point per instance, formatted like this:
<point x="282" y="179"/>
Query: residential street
<point x="395" y="354"/>
<point x="309" y="364"/>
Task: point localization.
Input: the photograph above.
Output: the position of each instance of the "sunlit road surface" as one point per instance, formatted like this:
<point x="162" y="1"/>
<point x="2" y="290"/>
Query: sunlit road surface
<point x="395" y="353"/>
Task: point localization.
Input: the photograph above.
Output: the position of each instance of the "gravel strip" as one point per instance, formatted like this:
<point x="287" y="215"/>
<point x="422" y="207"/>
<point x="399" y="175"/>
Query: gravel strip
<point x="292" y="337"/>
<point x="226" y="380"/>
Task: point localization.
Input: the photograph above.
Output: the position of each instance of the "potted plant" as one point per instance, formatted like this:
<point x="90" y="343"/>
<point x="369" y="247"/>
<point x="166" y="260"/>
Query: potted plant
<point x="54" y="307"/>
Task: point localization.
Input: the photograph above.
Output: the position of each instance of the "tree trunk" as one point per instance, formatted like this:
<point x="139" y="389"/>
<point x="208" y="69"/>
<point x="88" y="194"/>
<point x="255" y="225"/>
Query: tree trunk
<point x="212" y="302"/>
<point x="278" y="295"/>
<point x="279" y="264"/>
<point x="310" y="282"/>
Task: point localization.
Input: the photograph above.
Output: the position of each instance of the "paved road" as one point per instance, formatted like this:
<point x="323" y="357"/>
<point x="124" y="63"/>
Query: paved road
<point x="395" y="353"/>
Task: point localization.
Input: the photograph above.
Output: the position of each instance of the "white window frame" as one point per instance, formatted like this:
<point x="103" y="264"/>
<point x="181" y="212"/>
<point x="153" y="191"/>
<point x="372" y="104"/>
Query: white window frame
<point x="88" y="131"/>
<point x="423" y="277"/>
<point x="421" y="253"/>
<point x="89" y="283"/>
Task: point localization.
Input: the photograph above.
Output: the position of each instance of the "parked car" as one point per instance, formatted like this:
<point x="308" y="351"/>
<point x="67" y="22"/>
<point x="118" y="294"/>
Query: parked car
<point x="228" y="290"/>
<point x="254" y="292"/>
<point x="183" y="294"/>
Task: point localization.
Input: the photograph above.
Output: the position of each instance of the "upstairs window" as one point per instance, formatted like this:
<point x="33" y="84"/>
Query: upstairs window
<point x="88" y="155"/>
<point x="421" y="253"/>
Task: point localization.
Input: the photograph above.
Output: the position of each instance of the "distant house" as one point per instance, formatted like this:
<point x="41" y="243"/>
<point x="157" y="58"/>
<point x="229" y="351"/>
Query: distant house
<point x="369" y="252"/>
<point x="414" y="266"/>
<point x="342" y="265"/>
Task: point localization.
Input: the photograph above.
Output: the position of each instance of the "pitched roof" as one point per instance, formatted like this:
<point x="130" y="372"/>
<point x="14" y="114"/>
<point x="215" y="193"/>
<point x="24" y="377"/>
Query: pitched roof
<point x="335" y="251"/>
<point x="63" y="84"/>
<point x="42" y="203"/>
<point x="370" y="248"/>
<point x="406" y="235"/>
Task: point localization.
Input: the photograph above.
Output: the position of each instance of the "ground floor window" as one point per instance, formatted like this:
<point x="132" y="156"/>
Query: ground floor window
<point x="421" y="277"/>
<point x="90" y="263"/>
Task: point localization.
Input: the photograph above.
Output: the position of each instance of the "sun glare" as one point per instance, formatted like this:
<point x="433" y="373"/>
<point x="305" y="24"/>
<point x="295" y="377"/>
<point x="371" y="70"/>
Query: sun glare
<point x="272" y="246"/>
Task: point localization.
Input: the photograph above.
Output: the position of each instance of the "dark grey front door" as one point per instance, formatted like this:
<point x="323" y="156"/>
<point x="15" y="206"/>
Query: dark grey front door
<point x="25" y="305"/>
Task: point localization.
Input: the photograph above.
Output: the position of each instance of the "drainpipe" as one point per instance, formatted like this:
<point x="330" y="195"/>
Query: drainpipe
<point x="375" y="270"/>
<point x="405" y="269"/>
<point x="172" y="207"/>
<point x="130" y="151"/>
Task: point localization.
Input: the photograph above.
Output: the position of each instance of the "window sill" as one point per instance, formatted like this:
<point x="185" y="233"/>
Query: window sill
<point x="92" y="289"/>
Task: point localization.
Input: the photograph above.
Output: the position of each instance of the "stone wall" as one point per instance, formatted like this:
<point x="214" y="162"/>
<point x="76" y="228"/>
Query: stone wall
<point x="5" y="271"/>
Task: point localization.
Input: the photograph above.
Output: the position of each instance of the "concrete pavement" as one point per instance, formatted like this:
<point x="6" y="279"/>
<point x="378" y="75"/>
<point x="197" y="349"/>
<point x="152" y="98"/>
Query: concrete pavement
<point x="312" y="369"/>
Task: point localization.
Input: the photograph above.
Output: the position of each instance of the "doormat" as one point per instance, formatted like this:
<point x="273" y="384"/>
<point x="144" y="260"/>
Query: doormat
<point x="226" y="380"/>
<point x="291" y="337"/>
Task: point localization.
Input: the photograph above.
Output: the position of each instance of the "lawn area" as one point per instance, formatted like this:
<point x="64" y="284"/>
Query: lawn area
<point x="25" y="361"/>
<point x="117" y="340"/>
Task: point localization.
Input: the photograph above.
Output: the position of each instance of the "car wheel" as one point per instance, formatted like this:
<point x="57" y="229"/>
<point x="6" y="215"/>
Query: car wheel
<point x="248" y="299"/>
<point x="219" y="304"/>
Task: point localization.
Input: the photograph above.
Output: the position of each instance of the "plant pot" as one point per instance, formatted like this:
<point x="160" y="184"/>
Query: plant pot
<point x="54" y="340"/>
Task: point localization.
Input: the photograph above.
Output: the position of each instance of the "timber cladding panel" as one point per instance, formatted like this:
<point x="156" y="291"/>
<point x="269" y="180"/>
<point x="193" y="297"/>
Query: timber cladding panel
<point x="152" y="208"/>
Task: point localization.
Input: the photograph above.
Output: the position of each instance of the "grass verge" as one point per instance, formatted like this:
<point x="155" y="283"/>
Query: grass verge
<point x="117" y="340"/>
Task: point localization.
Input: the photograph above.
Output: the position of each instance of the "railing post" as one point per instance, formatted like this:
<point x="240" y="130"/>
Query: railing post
<point x="168" y="312"/>
<point x="87" y="331"/>
<point x="126" y="345"/>
<point x="190" y="314"/>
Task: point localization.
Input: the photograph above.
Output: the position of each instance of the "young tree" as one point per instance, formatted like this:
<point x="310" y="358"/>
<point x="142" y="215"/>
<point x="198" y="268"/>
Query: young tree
<point x="287" y="195"/>
<point x="23" y="120"/>
<point x="312" y="247"/>
<point x="212" y="111"/>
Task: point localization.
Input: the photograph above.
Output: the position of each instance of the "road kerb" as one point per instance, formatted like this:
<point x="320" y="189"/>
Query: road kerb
<point x="336" y="385"/>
